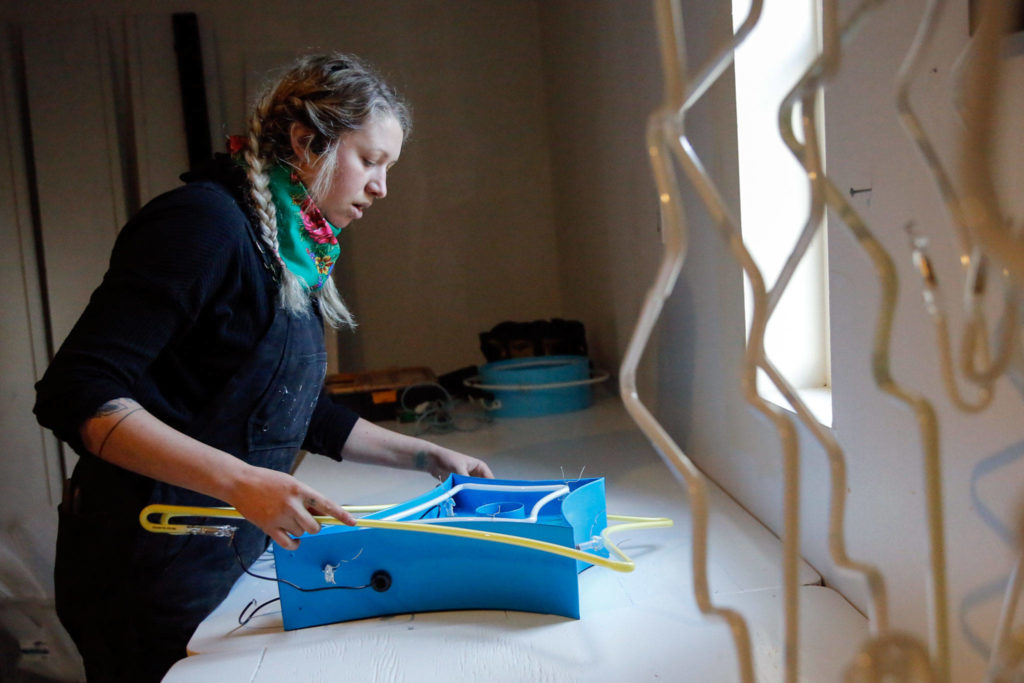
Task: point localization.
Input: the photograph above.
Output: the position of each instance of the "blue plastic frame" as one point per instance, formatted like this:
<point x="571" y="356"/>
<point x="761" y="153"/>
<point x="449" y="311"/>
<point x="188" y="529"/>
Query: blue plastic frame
<point x="430" y="572"/>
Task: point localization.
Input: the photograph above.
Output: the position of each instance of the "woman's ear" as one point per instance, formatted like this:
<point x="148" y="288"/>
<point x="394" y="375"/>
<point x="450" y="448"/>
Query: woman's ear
<point x="301" y="138"/>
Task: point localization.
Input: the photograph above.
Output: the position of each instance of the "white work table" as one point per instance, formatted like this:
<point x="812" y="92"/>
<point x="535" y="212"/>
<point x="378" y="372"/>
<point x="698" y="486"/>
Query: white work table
<point x="642" y="625"/>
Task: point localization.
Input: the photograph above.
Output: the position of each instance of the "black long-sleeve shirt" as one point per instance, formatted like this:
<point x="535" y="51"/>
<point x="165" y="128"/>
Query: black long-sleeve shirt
<point x="188" y="294"/>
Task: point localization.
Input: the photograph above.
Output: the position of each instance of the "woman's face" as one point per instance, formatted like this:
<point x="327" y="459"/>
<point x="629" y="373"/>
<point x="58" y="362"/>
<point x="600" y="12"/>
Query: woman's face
<point x="360" y="173"/>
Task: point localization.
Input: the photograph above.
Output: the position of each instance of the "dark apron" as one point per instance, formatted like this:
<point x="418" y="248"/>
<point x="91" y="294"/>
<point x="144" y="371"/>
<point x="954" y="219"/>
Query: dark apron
<point x="131" y="599"/>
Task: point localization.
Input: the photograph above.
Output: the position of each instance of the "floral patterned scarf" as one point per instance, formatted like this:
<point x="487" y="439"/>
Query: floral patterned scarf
<point x="308" y="243"/>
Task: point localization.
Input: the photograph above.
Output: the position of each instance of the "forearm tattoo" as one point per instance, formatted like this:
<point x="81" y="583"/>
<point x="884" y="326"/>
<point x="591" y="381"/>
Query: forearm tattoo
<point x="420" y="461"/>
<point x="119" y="406"/>
<point x="115" y="406"/>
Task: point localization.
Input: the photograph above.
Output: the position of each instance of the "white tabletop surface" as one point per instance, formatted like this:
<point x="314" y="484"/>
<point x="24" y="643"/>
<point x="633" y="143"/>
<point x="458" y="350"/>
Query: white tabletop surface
<point x="642" y="625"/>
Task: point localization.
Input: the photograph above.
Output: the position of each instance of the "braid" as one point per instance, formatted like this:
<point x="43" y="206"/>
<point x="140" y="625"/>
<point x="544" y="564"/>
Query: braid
<point x="332" y="306"/>
<point x="293" y="294"/>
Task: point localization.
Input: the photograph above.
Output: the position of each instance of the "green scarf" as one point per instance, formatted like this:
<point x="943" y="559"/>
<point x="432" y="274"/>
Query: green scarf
<point x="308" y="243"/>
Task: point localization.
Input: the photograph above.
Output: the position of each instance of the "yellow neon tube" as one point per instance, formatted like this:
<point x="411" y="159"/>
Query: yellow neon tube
<point x="625" y="564"/>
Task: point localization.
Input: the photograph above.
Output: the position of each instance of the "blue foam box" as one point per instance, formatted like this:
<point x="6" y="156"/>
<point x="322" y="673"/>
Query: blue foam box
<point x="407" y="571"/>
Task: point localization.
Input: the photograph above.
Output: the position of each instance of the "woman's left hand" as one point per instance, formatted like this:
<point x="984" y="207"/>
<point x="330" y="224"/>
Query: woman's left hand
<point x="440" y="462"/>
<point x="375" y="445"/>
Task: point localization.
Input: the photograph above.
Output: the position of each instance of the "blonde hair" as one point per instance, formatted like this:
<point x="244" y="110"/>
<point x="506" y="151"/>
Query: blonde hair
<point x="331" y="95"/>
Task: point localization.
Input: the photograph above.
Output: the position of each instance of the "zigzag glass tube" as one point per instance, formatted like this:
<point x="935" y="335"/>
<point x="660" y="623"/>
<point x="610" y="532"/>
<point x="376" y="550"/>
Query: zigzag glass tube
<point x="975" y="336"/>
<point x="662" y="136"/>
<point x="809" y="156"/>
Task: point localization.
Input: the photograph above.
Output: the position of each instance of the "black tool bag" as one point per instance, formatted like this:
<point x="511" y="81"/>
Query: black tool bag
<point x="555" y="337"/>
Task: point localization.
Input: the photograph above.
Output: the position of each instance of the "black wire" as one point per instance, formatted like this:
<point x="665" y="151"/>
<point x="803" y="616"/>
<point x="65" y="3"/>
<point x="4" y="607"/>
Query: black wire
<point x="252" y="602"/>
<point x="278" y="580"/>
<point x="426" y="512"/>
<point x="440" y="415"/>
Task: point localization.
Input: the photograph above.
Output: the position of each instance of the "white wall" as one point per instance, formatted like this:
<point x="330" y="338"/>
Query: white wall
<point x="599" y="80"/>
<point x="603" y="79"/>
<point x="30" y="473"/>
<point x="885" y="466"/>
<point x="466" y="239"/>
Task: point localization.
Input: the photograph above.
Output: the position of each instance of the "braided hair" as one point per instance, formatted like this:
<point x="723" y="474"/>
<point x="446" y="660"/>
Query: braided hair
<point x="331" y="95"/>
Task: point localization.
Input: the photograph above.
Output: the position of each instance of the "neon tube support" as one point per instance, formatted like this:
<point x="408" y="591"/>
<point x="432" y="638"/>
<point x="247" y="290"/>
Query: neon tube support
<point x="624" y="564"/>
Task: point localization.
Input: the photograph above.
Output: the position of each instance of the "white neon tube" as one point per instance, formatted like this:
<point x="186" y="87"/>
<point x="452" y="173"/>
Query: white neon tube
<point x="556" y="490"/>
<point x="1000" y="664"/>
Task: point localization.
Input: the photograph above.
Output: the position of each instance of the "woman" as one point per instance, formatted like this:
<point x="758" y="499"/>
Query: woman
<point x="196" y="372"/>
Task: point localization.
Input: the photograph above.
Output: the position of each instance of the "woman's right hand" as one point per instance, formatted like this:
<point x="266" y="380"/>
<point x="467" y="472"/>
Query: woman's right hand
<point x="282" y="506"/>
<point x="123" y="433"/>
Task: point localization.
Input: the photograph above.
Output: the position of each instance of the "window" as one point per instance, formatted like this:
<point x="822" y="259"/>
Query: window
<point x="774" y="197"/>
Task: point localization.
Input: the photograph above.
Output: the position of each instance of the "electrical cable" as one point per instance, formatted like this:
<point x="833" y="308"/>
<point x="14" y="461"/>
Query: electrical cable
<point x="443" y="415"/>
<point x="243" y="621"/>
<point x="289" y="583"/>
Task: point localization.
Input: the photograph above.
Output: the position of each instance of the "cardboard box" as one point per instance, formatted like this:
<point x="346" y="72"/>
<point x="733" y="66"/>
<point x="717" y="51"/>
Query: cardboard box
<point x="375" y="395"/>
